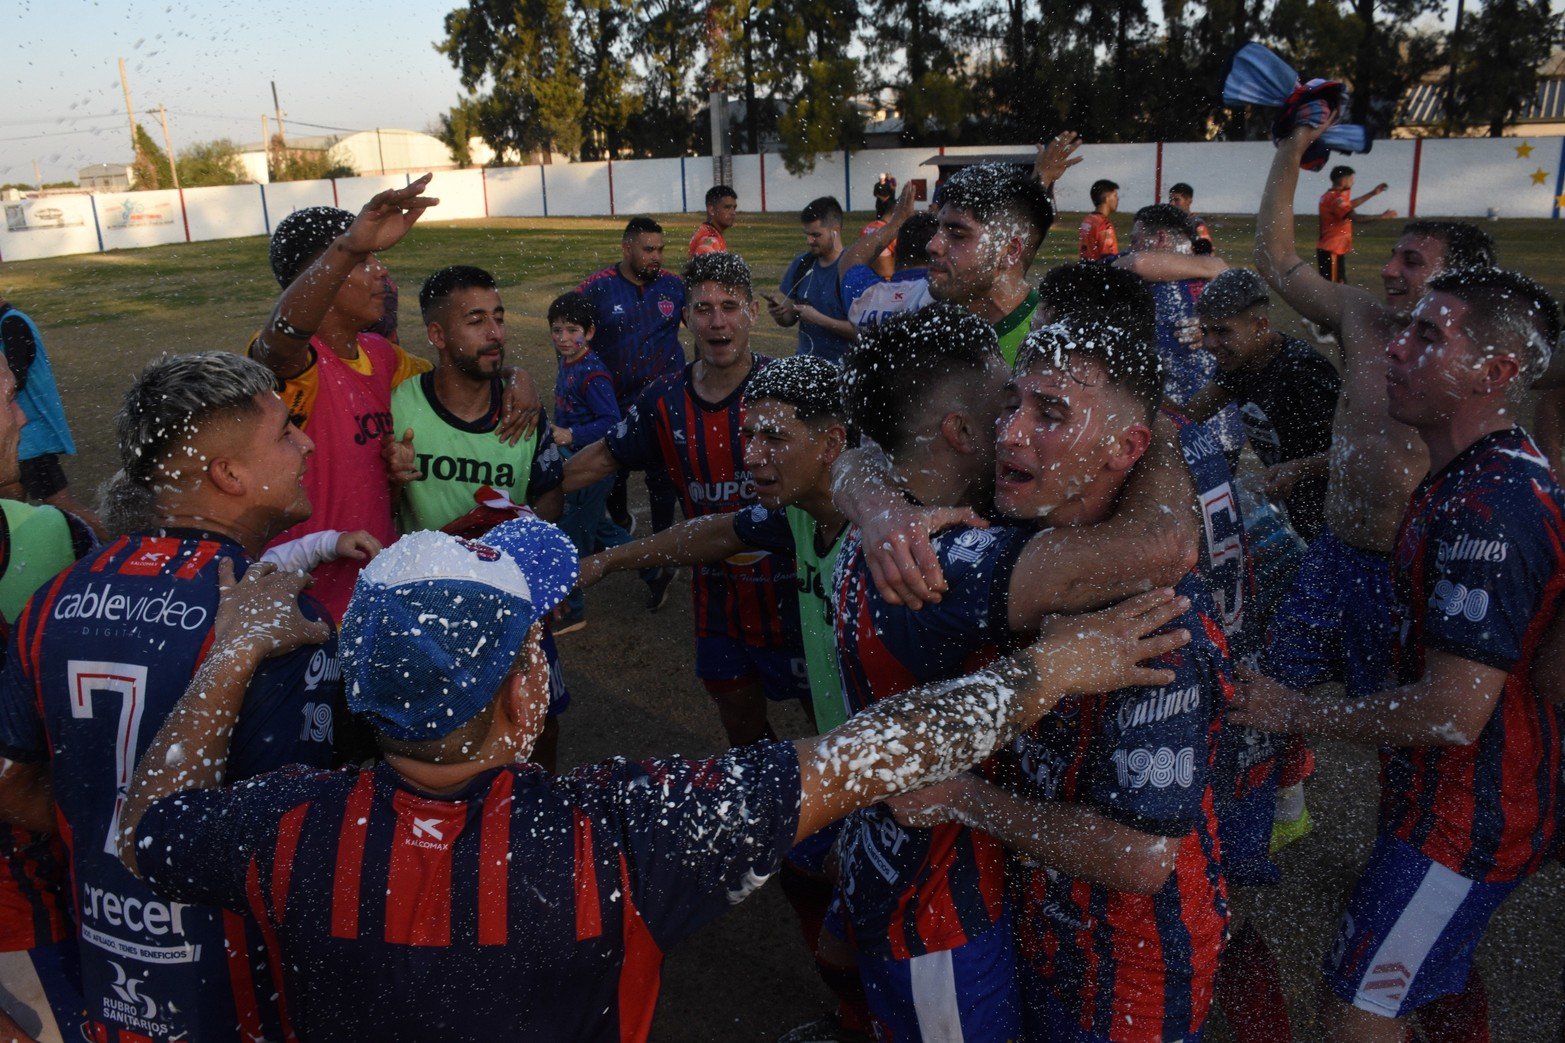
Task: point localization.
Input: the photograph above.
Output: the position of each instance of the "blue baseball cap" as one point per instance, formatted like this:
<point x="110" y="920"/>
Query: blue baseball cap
<point x="436" y="622"/>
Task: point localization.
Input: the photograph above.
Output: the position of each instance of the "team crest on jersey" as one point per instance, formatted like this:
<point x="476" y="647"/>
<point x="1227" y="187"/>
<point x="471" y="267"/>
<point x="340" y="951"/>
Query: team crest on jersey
<point x="971" y="544"/>
<point x="666" y="308"/>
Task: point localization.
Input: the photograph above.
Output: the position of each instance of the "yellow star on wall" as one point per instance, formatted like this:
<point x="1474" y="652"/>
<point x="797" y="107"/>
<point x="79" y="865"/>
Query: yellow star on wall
<point x="1524" y="150"/>
<point x="1559" y="201"/>
<point x="1539" y="176"/>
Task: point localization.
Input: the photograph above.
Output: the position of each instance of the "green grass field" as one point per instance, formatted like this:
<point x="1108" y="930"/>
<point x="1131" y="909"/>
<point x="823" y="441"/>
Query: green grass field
<point x="104" y="315"/>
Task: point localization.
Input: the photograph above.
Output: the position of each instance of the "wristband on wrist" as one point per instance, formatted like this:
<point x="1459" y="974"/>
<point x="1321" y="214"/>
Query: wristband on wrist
<point x="288" y="329"/>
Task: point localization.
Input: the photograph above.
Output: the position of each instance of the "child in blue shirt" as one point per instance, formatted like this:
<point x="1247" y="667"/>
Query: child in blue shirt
<point x="585" y="409"/>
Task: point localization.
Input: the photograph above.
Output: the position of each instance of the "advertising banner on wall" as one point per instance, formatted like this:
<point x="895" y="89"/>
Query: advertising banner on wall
<point x="133" y="212"/>
<point x="50" y="212"/>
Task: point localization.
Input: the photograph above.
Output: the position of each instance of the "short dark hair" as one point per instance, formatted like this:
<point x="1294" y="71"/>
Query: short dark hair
<point x="992" y="190"/>
<point x="717" y="193"/>
<point x="810" y="384"/>
<point x="725" y="269"/>
<point x="1340" y="172"/>
<point x="913" y="240"/>
<point x="1086" y="293"/>
<point x="641" y="225"/>
<point x="1466" y="245"/>
<point x="1131" y="362"/>
<point x="575" y="309"/>
<point x="1166" y="217"/>
<point x="301" y="237"/>
<point x="1181" y="188"/>
<point x="439" y="287"/>
<point x="1101" y="189"/>
<point x="1519" y="312"/>
<point x="902" y="362"/>
<point x="826" y="210"/>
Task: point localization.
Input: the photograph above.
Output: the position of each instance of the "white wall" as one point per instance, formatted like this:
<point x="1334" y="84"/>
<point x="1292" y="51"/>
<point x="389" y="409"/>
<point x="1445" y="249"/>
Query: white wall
<point x="1462" y="177"/>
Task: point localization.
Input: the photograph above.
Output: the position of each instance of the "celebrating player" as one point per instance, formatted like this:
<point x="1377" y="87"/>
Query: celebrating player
<point x="213" y="470"/>
<point x="453" y="892"/>
<point x="1338" y="214"/>
<point x="1470" y="752"/>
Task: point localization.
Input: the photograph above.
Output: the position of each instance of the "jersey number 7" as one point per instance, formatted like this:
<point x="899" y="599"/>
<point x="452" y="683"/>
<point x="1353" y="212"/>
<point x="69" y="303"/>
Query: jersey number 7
<point x="129" y="682"/>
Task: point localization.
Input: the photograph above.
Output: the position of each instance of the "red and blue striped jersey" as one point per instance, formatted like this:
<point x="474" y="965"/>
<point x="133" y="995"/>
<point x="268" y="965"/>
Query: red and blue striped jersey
<point x="100" y="656"/>
<point x="637" y="332"/>
<point x="1224" y="559"/>
<point x="750" y="597"/>
<point x="910" y="891"/>
<point x="1479" y="572"/>
<point x="1121" y="962"/>
<point x="523" y="907"/>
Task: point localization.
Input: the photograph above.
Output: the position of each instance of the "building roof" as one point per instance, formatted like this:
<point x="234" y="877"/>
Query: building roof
<point x="1424" y="103"/>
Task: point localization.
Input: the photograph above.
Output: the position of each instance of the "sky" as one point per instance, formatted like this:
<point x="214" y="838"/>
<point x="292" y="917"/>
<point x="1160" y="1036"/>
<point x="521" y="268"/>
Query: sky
<point x="342" y="63"/>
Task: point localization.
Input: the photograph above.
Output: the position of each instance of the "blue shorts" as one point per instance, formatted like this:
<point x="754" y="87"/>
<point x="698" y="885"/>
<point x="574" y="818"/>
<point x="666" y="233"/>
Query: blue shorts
<point x="725" y="664"/>
<point x="1409" y="931"/>
<point x="42" y="991"/>
<point x="559" y="694"/>
<point x="1244" y="787"/>
<point x="967" y="994"/>
<point x="1335" y="623"/>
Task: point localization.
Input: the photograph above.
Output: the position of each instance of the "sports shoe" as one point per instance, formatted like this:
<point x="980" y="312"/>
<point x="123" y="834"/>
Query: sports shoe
<point x="567" y="622"/>
<point x="657" y="589"/>
<point x="1286" y="831"/>
<point x="823" y="1030"/>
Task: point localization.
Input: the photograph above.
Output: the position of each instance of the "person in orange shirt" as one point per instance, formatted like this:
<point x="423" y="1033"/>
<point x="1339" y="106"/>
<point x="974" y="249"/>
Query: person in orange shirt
<point x="1097" y="237"/>
<point x="1338" y="212"/>
<point x="1180" y="194"/>
<point x="722" y="209"/>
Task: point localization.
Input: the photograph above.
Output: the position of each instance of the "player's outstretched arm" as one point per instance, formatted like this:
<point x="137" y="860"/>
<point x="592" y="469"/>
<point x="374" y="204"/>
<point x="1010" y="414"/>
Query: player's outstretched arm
<point x="257" y="617"/>
<point x="938" y="730"/>
<point x="866" y="248"/>
<point x="1151" y="539"/>
<point x="1162" y="266"/>
<point x="284" y="345"/>
<point x="1069" y="837"/>
<point x="1276" y="252"/>
<point x="592" y="464"/>
<point x="901" y="560"/>
<point x="26" y="796"/>
<point x="697" y="541"/>
<point x="1448" y="706"/>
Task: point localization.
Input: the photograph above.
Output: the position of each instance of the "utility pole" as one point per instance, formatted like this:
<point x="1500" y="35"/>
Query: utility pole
<point x="135" y="149"/>
<point x="282" y="135"/>
<point x="381" y="149"/>
<point x="1450" y="79"/>
<point x="168" y="143"/>
<point x="38" y="177"/>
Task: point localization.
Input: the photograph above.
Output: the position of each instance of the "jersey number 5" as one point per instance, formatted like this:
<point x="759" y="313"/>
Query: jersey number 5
<point x="129" y="682"/>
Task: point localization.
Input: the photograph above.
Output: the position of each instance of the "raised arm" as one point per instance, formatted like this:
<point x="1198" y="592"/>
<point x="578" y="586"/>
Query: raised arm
<point x="867" y="247"/>
<point x="284" y="344"/>
<point x="696" y="541"/>
<point x="257" y="617"/>
<point x="935" y="731"/>
<point x="1276" y="253"/>
<point x="1151" y="540"/>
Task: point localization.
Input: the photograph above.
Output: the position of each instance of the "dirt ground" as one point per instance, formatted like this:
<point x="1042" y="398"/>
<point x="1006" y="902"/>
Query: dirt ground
<point x="747" y="977"/>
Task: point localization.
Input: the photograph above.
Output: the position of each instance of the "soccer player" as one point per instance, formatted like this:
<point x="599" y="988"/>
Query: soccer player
<point x="1335" y="622"/>
<point x="1096" y="238"/>
<point x="1338" y="214"/>
<point x="687" y="429"/>
<point x="1107" y="800"/>
<point x="1180" y="194"/>
<point x="993" y="218"/>
<point x="639" y="304"/>
<point x="337" y="380"/>
<point x="1469" y="746"/>
<point x="906" y="231"/>
<point x="213" y="470"/>
<point x="722" y="209"/>
<point x="449" y="417"/>
<point x="1285" y="390"/>
<point x="47" y="435"/>
<point x="925" y="908"/>
<point x="809" y="295"/>
<point x="451" y="892"/>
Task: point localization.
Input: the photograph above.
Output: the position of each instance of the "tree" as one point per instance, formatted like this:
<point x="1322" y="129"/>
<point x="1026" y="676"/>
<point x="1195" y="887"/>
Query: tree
<point x="822" y="117"/>
<point x="457" y="127"/>
<point x="667" y="44"/>
<point x="150" y="170"/>
<point x="602" y="48"/>
<point x="516" y="61"/>
<point x="286" y="164"/>
<point x="1496" y="67"/>
<point x="211" y="163"/>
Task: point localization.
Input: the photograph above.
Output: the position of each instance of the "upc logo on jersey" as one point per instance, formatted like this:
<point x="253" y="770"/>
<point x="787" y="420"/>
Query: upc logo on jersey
<point x="1466" y="548"/>
<point x="722" y="492"/>
<point x="1454" y="599"/>
<point x="104" y="604"/>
